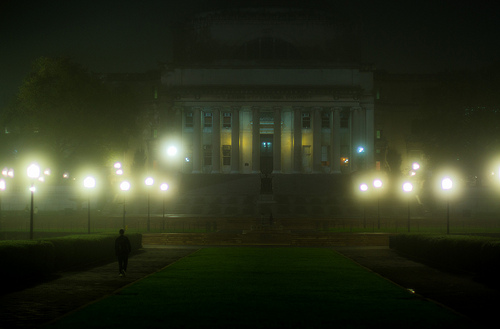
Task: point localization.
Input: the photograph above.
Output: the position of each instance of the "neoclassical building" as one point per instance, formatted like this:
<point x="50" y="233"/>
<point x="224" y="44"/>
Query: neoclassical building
<point x="268" y="90"/>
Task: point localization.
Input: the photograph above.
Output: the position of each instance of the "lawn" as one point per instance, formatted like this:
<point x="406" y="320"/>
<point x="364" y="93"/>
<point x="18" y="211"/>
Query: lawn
<point x="255" y="287"/>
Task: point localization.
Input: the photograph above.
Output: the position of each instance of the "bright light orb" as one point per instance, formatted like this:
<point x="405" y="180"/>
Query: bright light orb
<point x="2" y="185"/>
<point x="117" y="165"/>
<point x="33" y="171"/>
<point x="415" y="166"/>
<point x="446" y="183"/>
<point x="377" y="183"/>
<point x="363" y="187"/>
<point x="172" y="151"/>
<point x="164" y="187"/>
<point x="149" y="181"/>
<point x="10" y="173"/>
<point x="125" y="186"/>
<point x="89" y="182"/>
<point x="407" y="187"/>
<point x="361" y="149"/>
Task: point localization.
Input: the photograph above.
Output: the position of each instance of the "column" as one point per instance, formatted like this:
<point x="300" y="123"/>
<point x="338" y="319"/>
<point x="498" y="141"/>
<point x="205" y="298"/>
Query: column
<point x="277" y="141"/>
<point x="197" y="155"/>
<point x="216" y="148"/>
<point x="335" y="141"/>
<point x="255" y="140"/>
<point x="316" y="125"/>
<point x="370" y="135"/>
<point x="235" y="141"/>
<point x="297" y="140"/>
<point x="357" y="139"/>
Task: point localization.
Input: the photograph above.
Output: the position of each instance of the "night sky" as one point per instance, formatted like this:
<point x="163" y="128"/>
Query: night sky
<point x="133" y="36"/>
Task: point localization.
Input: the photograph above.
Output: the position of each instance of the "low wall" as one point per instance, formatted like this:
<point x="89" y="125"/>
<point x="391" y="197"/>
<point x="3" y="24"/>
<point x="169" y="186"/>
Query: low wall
<point x="268" y="238"/>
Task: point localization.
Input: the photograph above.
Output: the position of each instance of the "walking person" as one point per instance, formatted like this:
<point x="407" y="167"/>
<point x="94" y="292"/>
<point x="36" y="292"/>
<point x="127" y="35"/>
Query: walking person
<point x="122" y="250"/>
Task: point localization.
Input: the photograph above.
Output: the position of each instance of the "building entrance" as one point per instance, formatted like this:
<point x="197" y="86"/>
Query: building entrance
<point x="266" y="153"/>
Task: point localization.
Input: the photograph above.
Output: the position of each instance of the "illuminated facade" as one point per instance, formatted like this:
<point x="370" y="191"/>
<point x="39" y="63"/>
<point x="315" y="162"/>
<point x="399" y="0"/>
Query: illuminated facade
<point x="268" y="91"/>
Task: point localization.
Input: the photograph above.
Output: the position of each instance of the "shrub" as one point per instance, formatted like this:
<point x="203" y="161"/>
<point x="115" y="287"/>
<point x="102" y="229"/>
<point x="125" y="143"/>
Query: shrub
<point x="24" y="259"/>
<point x="75" y="250"/>
<point x="476" y="254"/>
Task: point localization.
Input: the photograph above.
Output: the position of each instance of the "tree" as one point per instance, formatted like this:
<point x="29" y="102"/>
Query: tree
<point x="459" y="123"/>
<point x="65" y="112"/>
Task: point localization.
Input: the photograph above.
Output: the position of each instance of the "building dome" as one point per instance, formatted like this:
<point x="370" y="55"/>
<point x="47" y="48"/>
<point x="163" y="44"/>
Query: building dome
<point x="266" y="35"/>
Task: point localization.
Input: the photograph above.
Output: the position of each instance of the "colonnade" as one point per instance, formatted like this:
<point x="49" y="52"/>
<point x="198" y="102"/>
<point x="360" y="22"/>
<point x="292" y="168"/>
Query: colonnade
<point x="347" y="129"/>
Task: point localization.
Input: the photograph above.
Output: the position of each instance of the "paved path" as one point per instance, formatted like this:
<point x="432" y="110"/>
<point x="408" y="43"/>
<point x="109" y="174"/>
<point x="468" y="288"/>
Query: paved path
<point x="68" y="291"/>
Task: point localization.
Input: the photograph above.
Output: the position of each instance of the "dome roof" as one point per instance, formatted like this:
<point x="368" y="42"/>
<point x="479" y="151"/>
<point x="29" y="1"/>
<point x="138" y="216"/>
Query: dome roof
<point x="265" y="35"/>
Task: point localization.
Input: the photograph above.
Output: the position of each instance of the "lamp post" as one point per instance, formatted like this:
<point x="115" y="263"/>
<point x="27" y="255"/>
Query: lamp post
<point x="149" y="181"/>
<point x="377" y="184"/>
<point x="2" y="188"/>
<point x="164" y="188"/>
<point x="124" y="186"/>
<point x="89" y="183"/>
<point x="447" y="185"/>
<point x="364" y="188"/>
<point x="33" y="173"/>
<point x="408" y="188"/>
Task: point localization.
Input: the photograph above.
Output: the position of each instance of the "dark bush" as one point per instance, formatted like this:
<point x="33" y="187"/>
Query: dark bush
<point x="470" y="253"/>
<point x="24" y="260"/>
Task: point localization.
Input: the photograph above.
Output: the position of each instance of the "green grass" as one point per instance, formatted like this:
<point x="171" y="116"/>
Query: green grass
<point x="249" y="287"/>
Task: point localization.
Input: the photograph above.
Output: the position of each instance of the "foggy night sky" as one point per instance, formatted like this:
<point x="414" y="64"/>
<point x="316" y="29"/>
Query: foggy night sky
<point x="133" y="36"/>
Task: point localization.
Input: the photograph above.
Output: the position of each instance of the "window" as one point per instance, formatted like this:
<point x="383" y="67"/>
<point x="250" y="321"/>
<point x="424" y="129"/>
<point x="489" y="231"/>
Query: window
<point x="207" y="155"/>
<point x="226" y="155"/>
<point x="306" y="121"/>
<point x="325" y="120"/>
<point x="207" y="123"/>
<point x="324" y="155"/>
<point x="344" y="119"/>
<point x="189" y="120"/>
<point x="226" y="120"/>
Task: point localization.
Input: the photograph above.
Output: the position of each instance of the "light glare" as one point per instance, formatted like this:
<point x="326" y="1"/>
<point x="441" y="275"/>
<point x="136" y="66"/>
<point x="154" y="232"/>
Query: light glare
<point x="446" y="183"/>
<point x="172" y="151"/>
<point x="125" y="186"/>
<point x="149" y="181"/>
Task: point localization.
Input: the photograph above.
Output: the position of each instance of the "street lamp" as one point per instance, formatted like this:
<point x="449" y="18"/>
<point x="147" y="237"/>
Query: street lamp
<point x="164" y="188"/>
<point x="149" y="181"/>
<point x="363" y="187"/>
<point x="172" y="151"/>
<point x="2" y="188"/>
<point x="33" y="173"/>
<point x="447" y="185"/>
<point x="377" y="184"/>
<point x="408" y="188"/>
<point x="89" y="183"/>
<point x="124" y="186"/>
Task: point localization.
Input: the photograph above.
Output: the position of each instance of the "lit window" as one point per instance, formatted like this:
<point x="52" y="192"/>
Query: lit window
<point x="226" y="155"/>
<point x="226" y="120"/>
<point x="325" y="120"/>
<point x="306" y="121"/>
<point x="208" y="120"/>
<point x="189" y="119"/>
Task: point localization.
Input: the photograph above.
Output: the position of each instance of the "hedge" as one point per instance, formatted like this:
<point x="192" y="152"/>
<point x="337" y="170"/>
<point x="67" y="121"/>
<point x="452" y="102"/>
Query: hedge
<point x="25" y="260"/>
<point x="75" y="250"/>
<point x="476" y="254"/>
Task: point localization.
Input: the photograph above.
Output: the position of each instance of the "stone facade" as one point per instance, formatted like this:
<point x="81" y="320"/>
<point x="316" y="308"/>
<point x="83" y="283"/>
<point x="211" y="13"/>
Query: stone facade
<point x="268" y="91"/>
